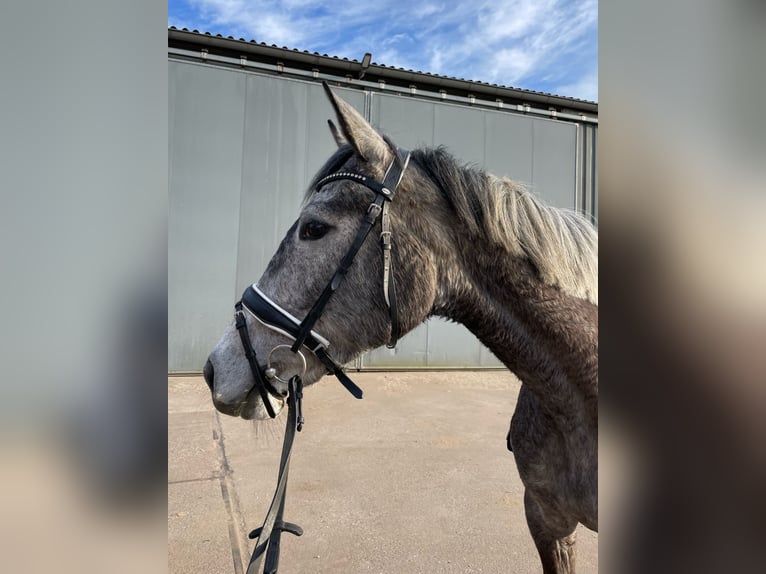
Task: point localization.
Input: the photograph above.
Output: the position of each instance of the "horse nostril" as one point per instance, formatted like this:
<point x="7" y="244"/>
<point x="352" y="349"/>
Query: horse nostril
<point x="207" y="372"/>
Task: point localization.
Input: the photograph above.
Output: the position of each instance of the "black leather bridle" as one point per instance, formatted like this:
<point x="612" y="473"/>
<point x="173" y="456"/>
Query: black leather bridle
<point x="274" y="317"/>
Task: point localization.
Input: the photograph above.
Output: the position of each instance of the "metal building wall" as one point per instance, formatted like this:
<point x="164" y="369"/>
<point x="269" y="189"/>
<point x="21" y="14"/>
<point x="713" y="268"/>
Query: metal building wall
<point x="243" y="147"/>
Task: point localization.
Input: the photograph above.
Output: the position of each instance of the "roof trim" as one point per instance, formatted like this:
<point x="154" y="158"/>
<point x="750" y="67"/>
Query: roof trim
<point x="186" y="39"/>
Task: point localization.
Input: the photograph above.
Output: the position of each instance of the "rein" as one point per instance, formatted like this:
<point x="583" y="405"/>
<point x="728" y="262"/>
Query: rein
<point x="269" y="314"/>
<point x="269" y="535"/>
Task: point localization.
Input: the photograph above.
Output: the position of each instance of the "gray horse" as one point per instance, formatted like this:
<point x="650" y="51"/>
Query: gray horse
<point x="471" y="247"/>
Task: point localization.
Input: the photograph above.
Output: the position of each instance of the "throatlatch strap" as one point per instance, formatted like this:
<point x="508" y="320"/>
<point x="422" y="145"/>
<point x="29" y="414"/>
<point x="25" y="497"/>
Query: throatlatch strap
<point x="270" y="533"/>
<point x="389" y="290"/>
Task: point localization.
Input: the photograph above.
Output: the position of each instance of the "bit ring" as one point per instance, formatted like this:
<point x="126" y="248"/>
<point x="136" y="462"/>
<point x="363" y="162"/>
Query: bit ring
<point x="272" y="373"/>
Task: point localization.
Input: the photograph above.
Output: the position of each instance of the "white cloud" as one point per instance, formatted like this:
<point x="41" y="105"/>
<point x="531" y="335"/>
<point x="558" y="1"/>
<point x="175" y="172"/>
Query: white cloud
<point x="511" y="65"/>
<point x="513" y="20"/>
<point x="425" y="10"/>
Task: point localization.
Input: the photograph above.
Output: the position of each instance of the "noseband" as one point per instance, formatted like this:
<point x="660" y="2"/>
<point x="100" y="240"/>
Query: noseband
<point x="272" y="316"/>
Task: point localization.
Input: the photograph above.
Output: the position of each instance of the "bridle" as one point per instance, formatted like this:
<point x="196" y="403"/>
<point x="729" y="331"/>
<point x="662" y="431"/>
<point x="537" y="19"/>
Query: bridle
<point x="269" y="314"/>
<point x="272" y="316"/>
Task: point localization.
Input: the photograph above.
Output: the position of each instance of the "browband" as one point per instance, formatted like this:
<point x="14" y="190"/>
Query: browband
<point x="391" y="179"/>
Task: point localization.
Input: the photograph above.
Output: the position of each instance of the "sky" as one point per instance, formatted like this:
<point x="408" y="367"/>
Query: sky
<point x="543" y="45"/>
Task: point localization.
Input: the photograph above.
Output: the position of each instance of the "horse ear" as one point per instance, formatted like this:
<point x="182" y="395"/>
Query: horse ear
<point x="367" y="142"/>
<point x="336" y="135"/>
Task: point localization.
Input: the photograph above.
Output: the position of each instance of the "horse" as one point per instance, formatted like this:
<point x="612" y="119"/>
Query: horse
<point x="468" y="246"/>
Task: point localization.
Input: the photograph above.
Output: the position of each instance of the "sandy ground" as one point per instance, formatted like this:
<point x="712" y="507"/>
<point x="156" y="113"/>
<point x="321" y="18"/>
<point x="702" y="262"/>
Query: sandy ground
<point x="414" y="478"/>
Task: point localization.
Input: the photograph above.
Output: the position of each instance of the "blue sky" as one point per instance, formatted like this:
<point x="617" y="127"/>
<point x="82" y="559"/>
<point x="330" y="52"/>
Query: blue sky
<point x="544" y="45"/>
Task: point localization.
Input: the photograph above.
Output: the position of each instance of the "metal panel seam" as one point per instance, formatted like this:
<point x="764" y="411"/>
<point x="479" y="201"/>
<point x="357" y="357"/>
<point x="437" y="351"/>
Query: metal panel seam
<point x="241" y="186"/>
<point x="579" y="194"/>
<point x="594" y="177"/>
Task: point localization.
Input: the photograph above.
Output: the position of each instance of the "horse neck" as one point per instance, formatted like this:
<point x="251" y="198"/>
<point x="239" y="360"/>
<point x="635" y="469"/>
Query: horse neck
<point x="546" y="337"/>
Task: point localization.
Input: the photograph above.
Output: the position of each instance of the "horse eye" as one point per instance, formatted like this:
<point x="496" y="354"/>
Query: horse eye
<point x="314" y="230"/>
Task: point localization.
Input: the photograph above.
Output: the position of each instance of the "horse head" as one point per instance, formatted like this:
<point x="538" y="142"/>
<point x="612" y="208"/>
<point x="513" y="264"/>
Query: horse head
<point x="365" y="310"/>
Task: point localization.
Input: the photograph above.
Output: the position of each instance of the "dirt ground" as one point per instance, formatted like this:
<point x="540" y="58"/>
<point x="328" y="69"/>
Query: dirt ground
<point x="414" y="478"/>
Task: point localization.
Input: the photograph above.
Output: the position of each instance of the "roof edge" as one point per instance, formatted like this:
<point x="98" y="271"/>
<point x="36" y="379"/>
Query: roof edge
<point x="216" y="43"/>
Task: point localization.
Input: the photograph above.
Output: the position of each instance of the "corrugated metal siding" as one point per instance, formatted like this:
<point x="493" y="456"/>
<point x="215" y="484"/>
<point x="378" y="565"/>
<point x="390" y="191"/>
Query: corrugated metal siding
<point x="286" y="141"/>
<point x="243" y="147"/>
<point x="205" y="156"/>
<point x="587" y="171"/>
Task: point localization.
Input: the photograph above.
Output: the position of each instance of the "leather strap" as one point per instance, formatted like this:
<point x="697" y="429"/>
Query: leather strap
<point x="275" y="317"/>
<point x="358" y="178"/>
<point x="395" y="173"/>
<point x="385" y="241"/>
<point x="270" y="533"/>
<point x="335" y="369"/>
<point x="383" y="193"/>
<point x="271" y="315"/>
<point x="389" y="289"/>
<point x="264" y="387"/>
<point x="316" y="311"/>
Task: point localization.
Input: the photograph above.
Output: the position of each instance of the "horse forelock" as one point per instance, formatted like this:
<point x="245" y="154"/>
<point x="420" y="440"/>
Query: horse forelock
<point x="342" y="157"/>
<point x="336" y="161"/>
<point x="560" y="243"/>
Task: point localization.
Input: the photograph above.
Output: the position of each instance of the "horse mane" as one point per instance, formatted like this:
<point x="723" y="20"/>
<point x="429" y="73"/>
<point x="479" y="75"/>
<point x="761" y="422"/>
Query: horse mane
<point x="560" y="243"/>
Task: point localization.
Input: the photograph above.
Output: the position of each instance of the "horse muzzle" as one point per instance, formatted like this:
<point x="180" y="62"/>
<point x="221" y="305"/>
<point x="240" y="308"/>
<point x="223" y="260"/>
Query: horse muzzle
<point x="248" y="405"/>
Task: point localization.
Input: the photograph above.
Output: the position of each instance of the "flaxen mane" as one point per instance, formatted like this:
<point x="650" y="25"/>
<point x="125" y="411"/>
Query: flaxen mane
<point x="560" y="243"/>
